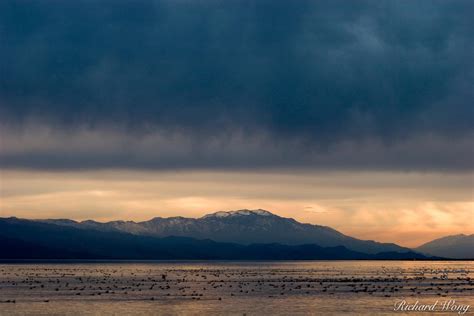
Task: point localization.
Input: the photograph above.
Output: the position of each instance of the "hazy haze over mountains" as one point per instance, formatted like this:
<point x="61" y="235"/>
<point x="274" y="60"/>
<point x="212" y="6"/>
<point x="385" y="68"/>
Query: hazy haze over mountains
<point x="457" y="246"/>
<point x="260" y="226"/>
<point x="243" y="234"/>
<point x="65" y="239"/>
<point x="242" y="227"/>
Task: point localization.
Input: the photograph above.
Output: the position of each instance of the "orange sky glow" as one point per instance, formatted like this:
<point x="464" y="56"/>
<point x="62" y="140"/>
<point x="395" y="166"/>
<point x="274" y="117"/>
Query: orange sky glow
<point x="405" y="208"/>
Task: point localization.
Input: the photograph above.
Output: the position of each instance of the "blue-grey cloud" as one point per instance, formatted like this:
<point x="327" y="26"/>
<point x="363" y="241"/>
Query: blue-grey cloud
<point x="305" y="76"/>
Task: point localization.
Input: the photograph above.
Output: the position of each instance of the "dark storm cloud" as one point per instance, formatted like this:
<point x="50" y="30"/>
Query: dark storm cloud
<point x="298" y="80"/>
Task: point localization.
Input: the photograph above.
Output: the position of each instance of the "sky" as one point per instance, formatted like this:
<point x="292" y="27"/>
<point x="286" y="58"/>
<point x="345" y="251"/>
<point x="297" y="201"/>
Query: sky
<point x="356" y="115"/>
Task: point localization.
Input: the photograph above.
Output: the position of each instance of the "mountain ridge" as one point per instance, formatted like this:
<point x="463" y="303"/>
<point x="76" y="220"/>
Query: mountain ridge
<point x="27" y="239"/>
<point x="241" y="226"/>
<point x="246" y="227"/>
<point x="458" y="246"/>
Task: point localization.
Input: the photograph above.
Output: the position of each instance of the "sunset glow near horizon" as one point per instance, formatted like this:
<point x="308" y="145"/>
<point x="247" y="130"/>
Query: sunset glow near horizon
<point x="405" y="208"/>
<point x="354" y="116"/>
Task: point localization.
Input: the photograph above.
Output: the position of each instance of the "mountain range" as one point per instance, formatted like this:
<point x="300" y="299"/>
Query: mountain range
<point x="457" y="246"/>
<point x="243" y="234"/>
<point x="241" y="227"/>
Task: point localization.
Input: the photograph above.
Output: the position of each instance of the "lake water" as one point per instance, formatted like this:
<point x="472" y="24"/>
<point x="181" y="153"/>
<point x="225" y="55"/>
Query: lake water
<point x="235" y="288"/>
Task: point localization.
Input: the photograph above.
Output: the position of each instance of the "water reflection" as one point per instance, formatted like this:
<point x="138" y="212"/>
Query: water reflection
<point x="327" y="287"/>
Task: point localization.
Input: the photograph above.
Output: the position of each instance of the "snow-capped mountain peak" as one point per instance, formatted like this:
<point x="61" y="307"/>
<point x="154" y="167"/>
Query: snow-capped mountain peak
<point x="245" y="212"/>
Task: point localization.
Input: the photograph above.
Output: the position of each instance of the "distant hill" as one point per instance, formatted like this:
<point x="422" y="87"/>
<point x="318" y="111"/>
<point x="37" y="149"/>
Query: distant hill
<point x="242" y="227"/>
<point x="26" y="239"/>
<point x="457" y="246"/>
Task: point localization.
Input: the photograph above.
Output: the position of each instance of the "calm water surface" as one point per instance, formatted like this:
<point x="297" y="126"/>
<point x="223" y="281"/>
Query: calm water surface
<point x="230" y="288"/>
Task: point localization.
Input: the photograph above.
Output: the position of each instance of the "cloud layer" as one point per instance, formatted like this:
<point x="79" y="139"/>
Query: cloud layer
<point x="237" y="84"/>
